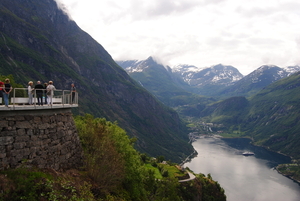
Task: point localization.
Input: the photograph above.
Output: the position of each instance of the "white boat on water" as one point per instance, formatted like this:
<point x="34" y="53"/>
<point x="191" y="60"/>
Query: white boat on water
<point x="248" y="153"/>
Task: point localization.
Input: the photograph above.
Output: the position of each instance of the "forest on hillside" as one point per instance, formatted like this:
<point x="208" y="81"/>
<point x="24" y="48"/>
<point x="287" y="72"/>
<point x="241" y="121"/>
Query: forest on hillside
<point x="113" y="170"/>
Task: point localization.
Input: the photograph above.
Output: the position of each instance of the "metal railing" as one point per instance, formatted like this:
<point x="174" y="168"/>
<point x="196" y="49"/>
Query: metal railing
<point x="61" y="98"/>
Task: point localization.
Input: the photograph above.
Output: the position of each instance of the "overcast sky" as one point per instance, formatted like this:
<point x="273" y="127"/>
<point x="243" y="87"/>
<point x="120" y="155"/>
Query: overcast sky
<point x="243" y="33"/>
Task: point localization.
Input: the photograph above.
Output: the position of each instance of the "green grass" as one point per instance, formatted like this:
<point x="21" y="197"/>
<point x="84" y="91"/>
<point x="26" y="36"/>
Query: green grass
<point x="157" y="173"/>
<point x="173" y="171"/>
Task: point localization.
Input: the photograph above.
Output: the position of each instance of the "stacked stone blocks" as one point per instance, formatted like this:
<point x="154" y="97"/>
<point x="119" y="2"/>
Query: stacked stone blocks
<point x="42" y="139"/>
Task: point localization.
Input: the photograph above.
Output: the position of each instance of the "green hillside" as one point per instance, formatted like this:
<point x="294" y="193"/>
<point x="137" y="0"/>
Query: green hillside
<point x="252" y="83"/>
<point x="271" y="117"/>
<point x="112" y="170"/>
<point x="274" y="116"/>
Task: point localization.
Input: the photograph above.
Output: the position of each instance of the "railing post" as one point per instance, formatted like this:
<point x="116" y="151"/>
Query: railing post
<point x="14" y="98"/>
<point x="76" y="97"/>
<point x="35" y="99"/>
<point x="63" y="98"/>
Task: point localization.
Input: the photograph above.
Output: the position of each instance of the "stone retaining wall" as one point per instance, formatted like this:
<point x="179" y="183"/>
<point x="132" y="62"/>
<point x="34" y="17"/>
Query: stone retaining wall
<point x="46" y="139"/>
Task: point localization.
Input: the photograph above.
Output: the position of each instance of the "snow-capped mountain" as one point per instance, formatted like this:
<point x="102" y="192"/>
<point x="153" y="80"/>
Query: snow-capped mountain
<point x="214" y="75"/>
<point x="131" y="66"/>
<point x="292" y="69"/>
<point x="135" y="66"/>
<point x="267" y="72"/>
<point x="217" y="80"/>
<point x="158" y="80"/>
<point x="258" y="79"/>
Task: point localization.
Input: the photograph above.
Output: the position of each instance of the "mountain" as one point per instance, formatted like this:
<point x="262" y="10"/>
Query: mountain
<point x="257" y="80"/>
<point x="40" y="42"/>
<point x="209" y="80"/>
<point x="273" y="118"/>
<point x="160" y="81"/>
<point x="270" y="117"/>
<point x="226" y="81"/>
<point x="218" y="81"/>
<point x="217" y="74"/>
<point x="292" y="69"/>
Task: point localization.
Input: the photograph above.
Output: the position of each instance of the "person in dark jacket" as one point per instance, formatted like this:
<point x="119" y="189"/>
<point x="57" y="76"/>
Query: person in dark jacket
<point x="39" y="88"/>
<point x="73" y="91"/>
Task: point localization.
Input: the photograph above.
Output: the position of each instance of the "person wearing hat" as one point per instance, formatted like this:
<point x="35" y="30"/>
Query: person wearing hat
<point x="50" y="92"/>
<point x="30" y="93"/>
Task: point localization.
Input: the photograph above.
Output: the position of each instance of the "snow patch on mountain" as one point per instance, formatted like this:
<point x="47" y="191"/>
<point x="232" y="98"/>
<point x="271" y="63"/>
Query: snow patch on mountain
<point x="292" y="69"/>
<point x="216" y="75"/>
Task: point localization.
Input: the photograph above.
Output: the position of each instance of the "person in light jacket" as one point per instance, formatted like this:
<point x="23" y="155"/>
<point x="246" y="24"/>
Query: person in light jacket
<point x="30" y="93"/>
<point x="50" y="92"/>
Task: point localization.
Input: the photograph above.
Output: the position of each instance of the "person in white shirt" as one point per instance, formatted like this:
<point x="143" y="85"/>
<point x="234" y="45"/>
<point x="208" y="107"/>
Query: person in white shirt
<point x="50" y="92"/>
<point x="30" y="93"/>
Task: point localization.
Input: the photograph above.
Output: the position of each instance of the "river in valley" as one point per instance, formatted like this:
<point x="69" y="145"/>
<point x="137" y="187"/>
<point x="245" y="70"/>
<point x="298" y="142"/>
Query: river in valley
<point x="244" y="178"/>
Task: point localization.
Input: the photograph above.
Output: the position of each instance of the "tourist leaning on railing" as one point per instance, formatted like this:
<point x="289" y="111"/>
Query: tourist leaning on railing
<point x="1" y="91"/>
<point x="6" y="90"/>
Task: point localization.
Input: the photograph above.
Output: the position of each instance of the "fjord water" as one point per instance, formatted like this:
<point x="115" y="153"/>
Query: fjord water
<point x="244" y="178"/>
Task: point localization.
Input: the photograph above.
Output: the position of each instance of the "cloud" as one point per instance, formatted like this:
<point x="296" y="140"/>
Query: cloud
<point x="148" y="9"/>
<point x="242" y="33"/>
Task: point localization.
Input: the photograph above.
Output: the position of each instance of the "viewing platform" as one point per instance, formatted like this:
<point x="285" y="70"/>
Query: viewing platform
<point x="19" y="100"/>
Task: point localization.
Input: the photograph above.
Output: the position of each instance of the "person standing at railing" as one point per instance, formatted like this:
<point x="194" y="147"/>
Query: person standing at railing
<point x="6" y="90"/>
<point x="30" y="93"/>
<point x="73" y="91"/>
<point x="1" y="91"/>
<point x="50" y="92"/>
<point x="45" y="87"/>
<point x="39" y="92"/>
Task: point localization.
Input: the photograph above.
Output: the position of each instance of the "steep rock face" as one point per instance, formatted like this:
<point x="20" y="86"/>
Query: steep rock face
<point x="39" y="42"/>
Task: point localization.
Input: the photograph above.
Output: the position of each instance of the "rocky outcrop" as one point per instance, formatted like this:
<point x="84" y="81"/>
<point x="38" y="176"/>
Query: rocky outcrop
<point x="44" y="138"/>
